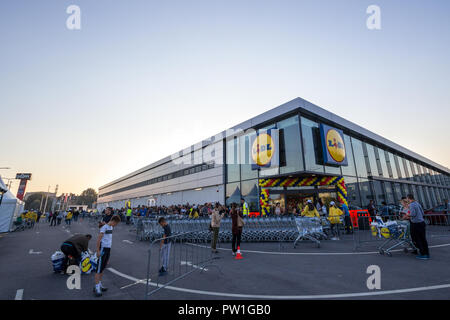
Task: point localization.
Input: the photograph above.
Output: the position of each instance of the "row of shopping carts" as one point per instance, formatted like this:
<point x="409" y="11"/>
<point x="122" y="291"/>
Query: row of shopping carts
<point x="262" y="229"/>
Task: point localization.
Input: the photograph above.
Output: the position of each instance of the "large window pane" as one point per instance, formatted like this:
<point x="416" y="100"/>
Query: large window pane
<point x="366" y="194"/>
<point x="398" y="192"/>
<point x="427" y="174"/>
<point x="233" y="194"/>
<point x="372" y="160"/>
<point x="311" y="145"/>
<point x="428" y="200"/>
<point x="390" y="199"/>
<point x="407" y="168"/>
<point x="245" y="155"/>
<point x="353" y="197"/>
<point x="360" y="161"/>
<point x="249" y="190"/>
<point x="420" y="173"/>
<point x="290" y="145"/>
<point x="421" y="198"/>
<point x="438" y="196"/>
<point x="392" y="165"/>
<point x="349" y="170"/>
<point x="233" y="172"/>
<point x="400" y="168"/>
<point x="383" y="163"/>
<point x="379" y="193"/>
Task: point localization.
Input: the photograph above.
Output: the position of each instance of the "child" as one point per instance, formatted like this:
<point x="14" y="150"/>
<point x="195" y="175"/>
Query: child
<point x="165" y="246"/>
<point x="104" y="243"/>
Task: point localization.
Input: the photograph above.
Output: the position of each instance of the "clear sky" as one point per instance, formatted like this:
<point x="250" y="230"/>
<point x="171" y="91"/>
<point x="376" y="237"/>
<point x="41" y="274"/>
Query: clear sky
<point x="143" y="79"/>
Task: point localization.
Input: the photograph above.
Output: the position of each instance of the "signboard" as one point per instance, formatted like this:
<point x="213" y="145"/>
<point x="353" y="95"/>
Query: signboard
<point x="23" y="176"/>
<point x="21" y="190"/>
<point x="333" y="146"/>
<point x="265" y="149"/>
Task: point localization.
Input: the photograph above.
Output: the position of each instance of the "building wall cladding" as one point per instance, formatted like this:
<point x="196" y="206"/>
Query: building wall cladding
<point x="209" y="160"/>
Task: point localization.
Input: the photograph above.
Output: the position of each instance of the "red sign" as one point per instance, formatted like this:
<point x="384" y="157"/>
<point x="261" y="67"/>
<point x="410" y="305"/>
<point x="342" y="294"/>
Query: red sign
<point x="21" y="191"/>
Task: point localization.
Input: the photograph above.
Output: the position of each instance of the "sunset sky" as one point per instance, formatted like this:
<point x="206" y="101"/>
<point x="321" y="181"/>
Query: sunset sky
<point x="144" y="79"/>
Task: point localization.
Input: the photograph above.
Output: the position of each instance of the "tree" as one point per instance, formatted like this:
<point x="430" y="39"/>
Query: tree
<point x="88" y="197"/>
<point x="33" y="202"/>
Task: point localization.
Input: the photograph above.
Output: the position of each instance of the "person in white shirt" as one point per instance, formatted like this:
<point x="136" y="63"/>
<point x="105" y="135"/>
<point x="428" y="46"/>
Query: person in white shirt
<point x="104" y="243"/>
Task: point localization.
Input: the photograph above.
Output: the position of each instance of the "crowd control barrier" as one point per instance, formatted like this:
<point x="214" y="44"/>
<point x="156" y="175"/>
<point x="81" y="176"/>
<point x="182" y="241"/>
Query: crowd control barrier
<point x="182" y="255"/>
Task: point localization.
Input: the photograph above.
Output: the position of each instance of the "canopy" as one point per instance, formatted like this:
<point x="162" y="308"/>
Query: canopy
<point x="10" y="208"/>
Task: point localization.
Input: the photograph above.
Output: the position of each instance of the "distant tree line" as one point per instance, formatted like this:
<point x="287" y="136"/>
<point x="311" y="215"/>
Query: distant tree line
<point x="87" y="197"/>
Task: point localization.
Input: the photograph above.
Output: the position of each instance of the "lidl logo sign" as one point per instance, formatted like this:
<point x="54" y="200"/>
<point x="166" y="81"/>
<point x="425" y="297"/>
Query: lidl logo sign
<point x="264" y="152"/>
<point x="333" y="146"/>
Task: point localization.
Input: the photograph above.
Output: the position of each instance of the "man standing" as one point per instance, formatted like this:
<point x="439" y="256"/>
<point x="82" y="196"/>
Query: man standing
<point x="347" y="220"/>
<point x="245" y="210"/>
<point x="372" y="210"/>
<point x="418" y="234"/>
<point x="129" y="212"/>
<point x="107" y="218"/>
<point x="104" y="243"/>
<point x="53" y="220"/>
<point x="165" y="246"/>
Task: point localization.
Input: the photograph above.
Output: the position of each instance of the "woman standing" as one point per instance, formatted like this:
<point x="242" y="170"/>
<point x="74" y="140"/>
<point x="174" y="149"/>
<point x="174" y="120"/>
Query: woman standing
<point x="310" y="211"/>
<point x="216" y="217"/>
<point x="237" y="225"/>
<point x="334" y="218"/>
<point x="278" y="210"/>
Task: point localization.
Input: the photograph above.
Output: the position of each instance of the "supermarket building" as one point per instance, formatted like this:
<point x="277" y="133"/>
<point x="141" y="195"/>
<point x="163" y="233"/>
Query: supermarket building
<point x="293" y="152"/>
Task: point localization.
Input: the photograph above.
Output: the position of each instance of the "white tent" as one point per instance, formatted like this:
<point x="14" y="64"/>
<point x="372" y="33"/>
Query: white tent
<point x="10" y="208"/>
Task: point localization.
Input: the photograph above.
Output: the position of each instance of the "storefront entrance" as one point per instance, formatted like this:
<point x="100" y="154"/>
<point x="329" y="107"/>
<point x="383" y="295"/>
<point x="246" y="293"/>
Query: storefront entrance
<point x="290" y="199"/>
<point x="289" y="193"/>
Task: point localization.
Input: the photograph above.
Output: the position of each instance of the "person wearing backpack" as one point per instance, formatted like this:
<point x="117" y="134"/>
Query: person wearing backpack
<point x="237" y="223"/>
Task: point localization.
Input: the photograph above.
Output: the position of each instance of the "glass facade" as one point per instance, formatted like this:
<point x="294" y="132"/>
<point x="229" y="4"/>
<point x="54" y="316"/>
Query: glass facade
<point x="310" y="133"/>
<point x="372" y="173"/>
<point x="359" y="158"/>
<point x="373" y="168"/>
<point x="291" y="155"/>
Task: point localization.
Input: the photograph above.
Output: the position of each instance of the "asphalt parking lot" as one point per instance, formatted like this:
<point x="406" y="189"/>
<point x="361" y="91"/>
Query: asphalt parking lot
<point x="334" y="271"/>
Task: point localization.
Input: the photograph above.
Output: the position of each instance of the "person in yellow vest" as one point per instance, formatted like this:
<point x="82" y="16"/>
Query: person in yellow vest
<point x="245" y="208"/>
<point x="129" y="212"/>
<point x="69" y="217"/>
<point x="334" y="217"/>
<point x="310" y="210"/>
<point x="190" y="212"/>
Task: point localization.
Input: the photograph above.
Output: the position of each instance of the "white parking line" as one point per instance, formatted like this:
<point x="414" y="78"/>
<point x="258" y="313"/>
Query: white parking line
<point x="19" y="294"/>
<point x="292" y="297"/>
<point x="127" y="241"/>
<point x="314" y="253"/>
<point x="33" y="252"/>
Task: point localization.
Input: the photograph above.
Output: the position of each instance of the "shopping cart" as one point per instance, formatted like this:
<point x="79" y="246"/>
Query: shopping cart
<point x="309" y="229"/>
<point x="395" y="232"/>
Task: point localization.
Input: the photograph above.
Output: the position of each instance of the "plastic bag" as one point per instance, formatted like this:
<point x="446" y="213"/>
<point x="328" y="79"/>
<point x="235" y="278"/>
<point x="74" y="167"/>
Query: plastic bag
<point x="85" y="263"/>
<point x="57" y="261"/>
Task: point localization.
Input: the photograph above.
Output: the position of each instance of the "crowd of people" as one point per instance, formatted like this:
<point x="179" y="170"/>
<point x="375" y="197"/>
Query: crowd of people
<point x="52" y="218"/>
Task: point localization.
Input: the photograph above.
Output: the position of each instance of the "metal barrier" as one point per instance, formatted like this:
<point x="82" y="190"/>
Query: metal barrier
<point x="182" y="255"/>
<point x="256" y="229"/>
<point x="366" y="232"/>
